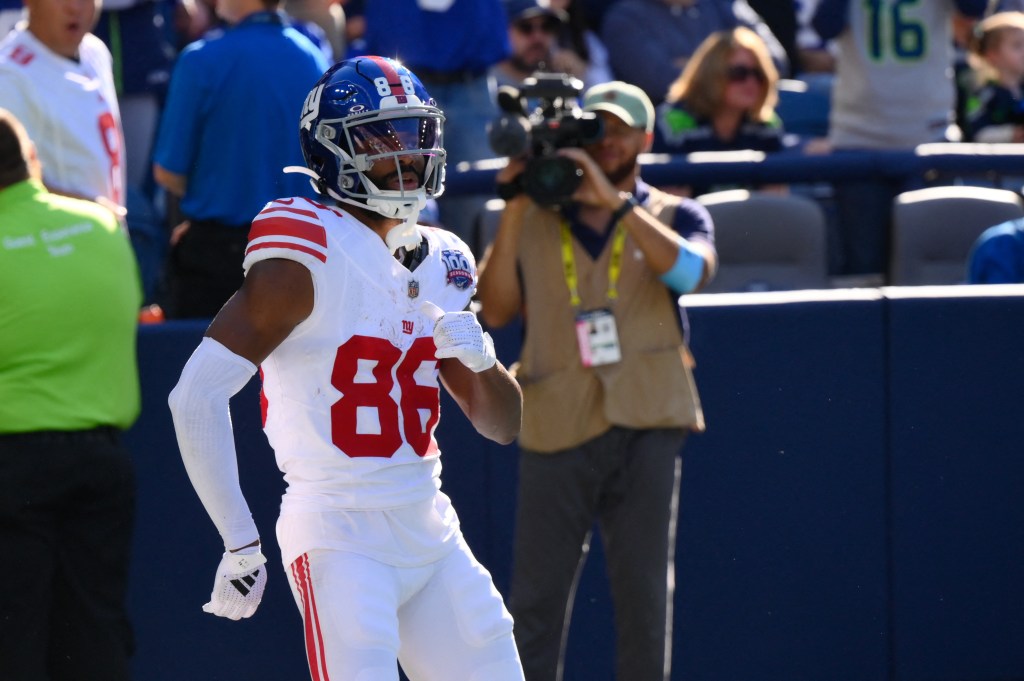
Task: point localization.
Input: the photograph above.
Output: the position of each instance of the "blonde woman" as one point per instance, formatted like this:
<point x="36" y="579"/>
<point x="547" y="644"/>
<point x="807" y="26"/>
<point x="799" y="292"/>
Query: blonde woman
<point x="724" y="99"/>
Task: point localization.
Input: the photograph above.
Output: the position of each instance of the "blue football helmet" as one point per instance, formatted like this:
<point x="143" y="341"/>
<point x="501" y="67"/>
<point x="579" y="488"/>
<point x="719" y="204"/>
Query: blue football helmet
<point x="370" y="110"/>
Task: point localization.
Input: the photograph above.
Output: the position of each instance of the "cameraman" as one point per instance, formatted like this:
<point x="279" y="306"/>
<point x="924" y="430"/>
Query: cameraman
<point x="608" y="392"/>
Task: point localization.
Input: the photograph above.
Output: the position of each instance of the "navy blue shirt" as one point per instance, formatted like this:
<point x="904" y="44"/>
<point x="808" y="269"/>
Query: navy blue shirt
<point x="680" y="132"/>
<point x="992" y="105"/>
<point x="140" y="46"/>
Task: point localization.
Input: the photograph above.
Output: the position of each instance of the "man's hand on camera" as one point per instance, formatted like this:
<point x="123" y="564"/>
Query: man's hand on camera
<point x="595" y="189"/>
<point x="512" y="171"/>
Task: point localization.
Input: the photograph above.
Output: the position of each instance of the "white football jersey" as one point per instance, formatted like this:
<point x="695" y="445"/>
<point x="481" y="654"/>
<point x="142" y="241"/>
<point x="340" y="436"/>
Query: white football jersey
<point x="351" y="397"/>
<point x="70" y="111"/>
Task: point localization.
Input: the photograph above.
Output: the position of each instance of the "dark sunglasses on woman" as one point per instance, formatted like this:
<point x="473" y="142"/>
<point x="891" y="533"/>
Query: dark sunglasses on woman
<point x="739" y="73"/>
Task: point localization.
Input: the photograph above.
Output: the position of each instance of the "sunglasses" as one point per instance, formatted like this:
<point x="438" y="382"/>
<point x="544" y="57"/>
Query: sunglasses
<point x="527" y="27"/>
<point x="739" y="73"/>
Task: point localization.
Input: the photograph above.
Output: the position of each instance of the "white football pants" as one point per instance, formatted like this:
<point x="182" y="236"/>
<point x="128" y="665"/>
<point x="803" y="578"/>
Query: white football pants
<point x="443" y="621"/>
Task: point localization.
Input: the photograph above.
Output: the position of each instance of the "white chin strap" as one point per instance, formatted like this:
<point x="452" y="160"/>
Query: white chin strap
<point x="406" y="234"/>
<point x="314" y="180"/>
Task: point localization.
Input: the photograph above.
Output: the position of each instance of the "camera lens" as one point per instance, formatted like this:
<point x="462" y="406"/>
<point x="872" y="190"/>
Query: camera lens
<point x="551" y="180"/>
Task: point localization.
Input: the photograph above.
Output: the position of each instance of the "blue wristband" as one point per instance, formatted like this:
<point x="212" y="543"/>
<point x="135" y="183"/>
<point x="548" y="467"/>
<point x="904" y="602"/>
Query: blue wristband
<point x="687" y="271"/>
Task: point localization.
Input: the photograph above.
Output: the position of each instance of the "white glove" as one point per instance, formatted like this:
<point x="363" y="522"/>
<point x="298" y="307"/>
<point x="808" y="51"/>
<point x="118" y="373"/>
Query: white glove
<point x="238" y="586"/>
<point x="459" y="335"/>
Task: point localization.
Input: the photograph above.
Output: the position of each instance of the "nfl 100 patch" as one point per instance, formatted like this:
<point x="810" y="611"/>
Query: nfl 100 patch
<point x="457" y="264"/>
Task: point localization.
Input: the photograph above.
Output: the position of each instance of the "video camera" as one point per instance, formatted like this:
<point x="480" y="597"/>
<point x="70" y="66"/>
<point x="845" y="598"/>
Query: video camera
<point x="555" y="122"/>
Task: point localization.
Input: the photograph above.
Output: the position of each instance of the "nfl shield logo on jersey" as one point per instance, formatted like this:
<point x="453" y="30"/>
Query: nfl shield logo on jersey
<point x="457" y="265"/>
<point x="414" y="288"/>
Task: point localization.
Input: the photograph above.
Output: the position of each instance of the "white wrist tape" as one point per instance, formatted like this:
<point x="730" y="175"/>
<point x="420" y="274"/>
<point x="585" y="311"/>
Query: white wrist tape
<point x="459" y="335"/>
<point x="202" y="422"/>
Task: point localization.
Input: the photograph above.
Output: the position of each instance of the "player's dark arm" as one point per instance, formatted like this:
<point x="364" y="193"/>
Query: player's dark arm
<point x="276" y="296"/>
<point x="490" y="399"/>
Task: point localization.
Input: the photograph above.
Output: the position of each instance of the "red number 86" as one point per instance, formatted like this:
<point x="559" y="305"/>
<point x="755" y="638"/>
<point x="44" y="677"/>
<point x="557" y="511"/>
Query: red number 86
<point x="414" y="398"/>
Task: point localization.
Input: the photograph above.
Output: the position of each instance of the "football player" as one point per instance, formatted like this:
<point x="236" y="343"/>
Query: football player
<point x="353" y="312"/>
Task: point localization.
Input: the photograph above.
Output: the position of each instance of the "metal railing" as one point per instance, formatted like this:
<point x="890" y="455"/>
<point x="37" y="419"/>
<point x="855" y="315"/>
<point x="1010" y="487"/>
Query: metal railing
<point x="926" y="163"/>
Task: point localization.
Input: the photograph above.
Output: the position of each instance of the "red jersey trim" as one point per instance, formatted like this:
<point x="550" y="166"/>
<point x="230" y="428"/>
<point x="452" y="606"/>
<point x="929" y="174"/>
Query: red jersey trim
<point x="322" y="257"/>
<point x="282" y="226"/>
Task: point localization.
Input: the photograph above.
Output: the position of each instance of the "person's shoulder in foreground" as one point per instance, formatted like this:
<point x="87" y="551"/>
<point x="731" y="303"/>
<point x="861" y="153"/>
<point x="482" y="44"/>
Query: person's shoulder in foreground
<point x="998" y="255"/>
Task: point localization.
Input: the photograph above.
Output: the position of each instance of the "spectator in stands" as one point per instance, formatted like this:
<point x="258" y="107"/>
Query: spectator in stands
<point x="451" y="46"/>
<point x="608" y="395"/>
<point x="68" y="386"/>
<point x="56" y="78"/>
<point x="533" y="29"/>
<point x="998" y="255"/>
<point x="650" y="41"/>
<point x="225" y="136"/>
<point x="355" y="26"/>
<point x="781" y="19"/>
<point x="579" y="42"/>
<point x="143" y="53"/>
<point x="724" y="100"/>
<point x="894" y="89"/>
<point x="142" y="58"/>
<point x="815" y="61"/>
<point x="328" y="16"/>
<point x="193" y="19"/>
<point x="995" y="111"/>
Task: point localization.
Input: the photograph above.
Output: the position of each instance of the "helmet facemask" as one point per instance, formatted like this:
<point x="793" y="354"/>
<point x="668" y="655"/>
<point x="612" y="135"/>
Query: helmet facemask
<point x="363" y="141"/>
<point x="371" y="115"/>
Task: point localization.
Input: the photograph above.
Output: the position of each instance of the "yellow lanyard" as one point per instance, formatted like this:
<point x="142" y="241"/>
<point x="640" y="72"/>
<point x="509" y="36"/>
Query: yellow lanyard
<point x="614" y="263"/>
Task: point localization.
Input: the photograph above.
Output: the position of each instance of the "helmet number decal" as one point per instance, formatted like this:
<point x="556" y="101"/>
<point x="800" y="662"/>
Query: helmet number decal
<point x="385" y="88"/>
<point x="311" y="108"/>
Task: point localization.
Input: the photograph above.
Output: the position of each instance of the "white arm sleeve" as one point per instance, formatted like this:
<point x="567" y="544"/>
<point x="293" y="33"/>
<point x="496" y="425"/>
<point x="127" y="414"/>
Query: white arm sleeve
<point x="202" y="422"/>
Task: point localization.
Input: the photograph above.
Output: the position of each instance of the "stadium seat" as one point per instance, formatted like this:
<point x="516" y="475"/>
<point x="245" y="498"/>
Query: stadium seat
<point x="767" y="241"/>
<point x="803" y="108"/>
<point x="934" y="229"/>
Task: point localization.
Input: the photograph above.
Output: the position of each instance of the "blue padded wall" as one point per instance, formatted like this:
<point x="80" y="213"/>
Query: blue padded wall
<point x="781" y="554"/>
<point x="852" y="513"/>
<point x="957" y="461"/>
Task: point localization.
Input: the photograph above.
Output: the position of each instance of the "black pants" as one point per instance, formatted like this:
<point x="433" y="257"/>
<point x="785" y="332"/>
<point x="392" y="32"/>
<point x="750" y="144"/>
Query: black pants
<point x="628" y="482"/>
<point x="67" y="504"/>
<point x="204" y="269"/>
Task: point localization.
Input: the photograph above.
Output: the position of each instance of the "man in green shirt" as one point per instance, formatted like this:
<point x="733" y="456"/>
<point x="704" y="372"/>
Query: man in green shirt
<point x="69" y="300"/>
